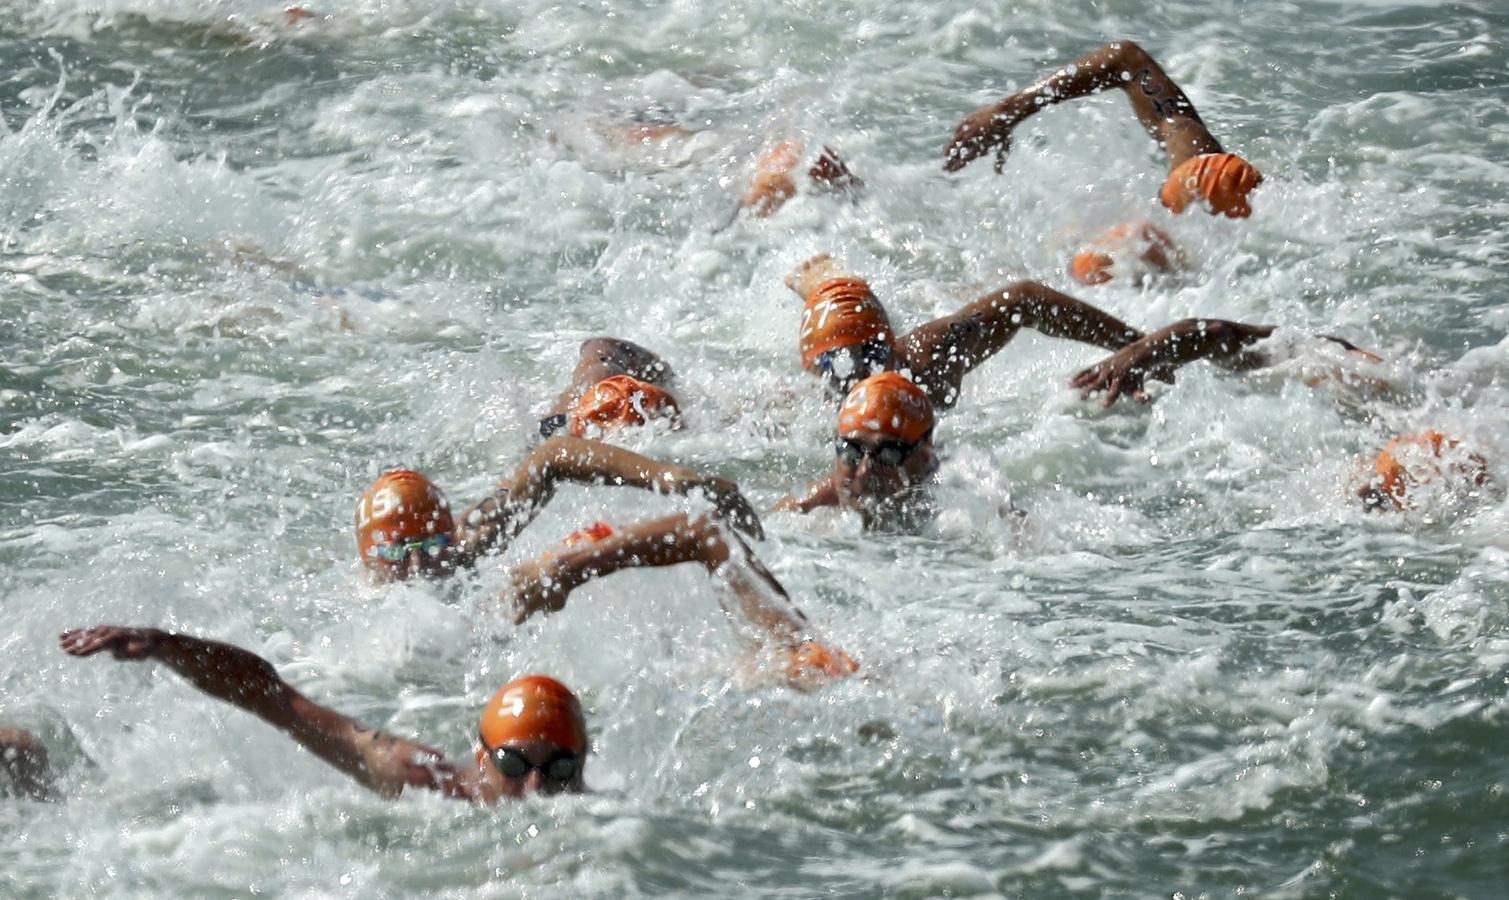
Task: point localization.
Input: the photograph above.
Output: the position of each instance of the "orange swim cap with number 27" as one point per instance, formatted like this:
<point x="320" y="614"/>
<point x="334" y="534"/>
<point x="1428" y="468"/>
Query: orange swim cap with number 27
<point x="841" y="312"/>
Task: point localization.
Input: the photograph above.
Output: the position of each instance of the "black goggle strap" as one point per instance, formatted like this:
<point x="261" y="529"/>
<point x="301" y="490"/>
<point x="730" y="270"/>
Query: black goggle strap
<point x="551" y="424"/>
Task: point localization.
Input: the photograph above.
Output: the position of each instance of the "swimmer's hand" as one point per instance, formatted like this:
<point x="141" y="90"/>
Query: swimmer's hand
<point x="123" y="643"/>
<point x="725" y="496"/>
<point x="986" y="128"/>
<point x="812" y="272"/>
<point x="537" y="588"/>
<point x="1123" y="372"/>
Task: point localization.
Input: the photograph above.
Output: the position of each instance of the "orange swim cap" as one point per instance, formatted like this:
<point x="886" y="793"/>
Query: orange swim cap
<point x="890" y="404"/>
<point x="620" y="400"/>
<point x="810" y="660"/>
<point x="773" y="183"/>
<point x="534" y="708"/>
<point x="1222" y="179"/>
<point x="1393" y="478"/>
<point x="1093" y="265"/>
<point x="597" y="531"/>
<point x="841" y="312"/>
<point x="402" y="505"/>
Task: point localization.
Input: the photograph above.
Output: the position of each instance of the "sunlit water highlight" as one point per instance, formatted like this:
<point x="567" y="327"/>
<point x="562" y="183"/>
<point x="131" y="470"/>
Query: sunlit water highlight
<point x="246" y="266"/>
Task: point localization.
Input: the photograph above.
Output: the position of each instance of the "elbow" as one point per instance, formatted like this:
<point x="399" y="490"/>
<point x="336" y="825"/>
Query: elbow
<point x="1127" y="53"/>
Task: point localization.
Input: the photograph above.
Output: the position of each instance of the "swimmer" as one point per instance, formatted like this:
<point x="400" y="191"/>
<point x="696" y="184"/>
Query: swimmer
<point x="1200" y="172"/>
<point x="404" y="525"/>
<point x="616" y="384"/>
<point x="774" y="178"/>
<point x="531" y="738"/>
<point x="779" y="631"/>
<point x="845" y="334"/>
<point x="24" y="771"/>
<point x="1227" y="344"/>
<point x="1411" y="461"/>
<point x="775" y="173"/>
<point x="884" y="457"/>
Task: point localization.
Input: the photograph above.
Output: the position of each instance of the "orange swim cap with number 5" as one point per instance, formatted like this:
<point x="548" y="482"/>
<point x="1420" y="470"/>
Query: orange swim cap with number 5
<point x="1224" y="180"/>
<point x="534" y="708"/>
<point x="888" y="403"/>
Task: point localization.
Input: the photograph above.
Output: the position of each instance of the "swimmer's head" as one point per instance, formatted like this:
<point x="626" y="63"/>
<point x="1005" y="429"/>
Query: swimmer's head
<point x="533" y="737"/>
<point x="1222" y="180"/>
<point x="618" y="401"/>
<point x="885" y="442"/>
<point x="1090" y="267"/>
<point x="810" y="664"/>
<point x="1411" y="461"/>
<point x="1141" y="245"/>
<point x="845" y="334"/>
<point x="774" y="178"/>
<point x="404" y="526"/>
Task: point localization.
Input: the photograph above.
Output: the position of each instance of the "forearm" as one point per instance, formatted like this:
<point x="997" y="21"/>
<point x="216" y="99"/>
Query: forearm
<point x="1030" y="304"/>
<point x="1159" y="104"/>
<point x="1218" y="340"/>
<point x="668" y="541"/>
<point x="228" y="673"/>
<point x="577" y="460"/>
<point x="1096" y="71"/>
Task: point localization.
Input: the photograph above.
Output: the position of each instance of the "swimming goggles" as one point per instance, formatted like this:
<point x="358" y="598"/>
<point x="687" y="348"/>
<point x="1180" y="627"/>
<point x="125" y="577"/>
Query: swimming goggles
<point x="864" y="358"/>
<point x="886" y="453"/>
<point x="398" y="551"/>
<point x="512" y="764"/>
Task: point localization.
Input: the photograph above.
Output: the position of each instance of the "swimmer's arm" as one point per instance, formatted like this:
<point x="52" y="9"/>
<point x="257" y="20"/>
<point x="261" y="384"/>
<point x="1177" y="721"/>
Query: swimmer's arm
<point x="822" y="492"/>
<point x="1157" y="355"/>
<point x="1160" y="105"/>
<point x="572" y="459"/>
<point x="944" y="350"/>
<point x="515" y="502"/>
<point x="381" y="762"/>
<point x="544" y="584"/>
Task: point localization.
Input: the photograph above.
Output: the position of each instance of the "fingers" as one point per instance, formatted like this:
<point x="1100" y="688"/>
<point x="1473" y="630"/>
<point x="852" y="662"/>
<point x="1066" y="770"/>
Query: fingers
<point x="86" y="641"/>
<point x="734" y="507"/>
<point x="1113" y="391"/>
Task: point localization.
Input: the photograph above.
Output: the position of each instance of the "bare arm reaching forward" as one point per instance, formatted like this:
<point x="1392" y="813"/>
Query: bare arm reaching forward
<point x="544" y="584"/>
<point x="384" y="763"/>
<point x="518" y="499"/>
<point x="1165" y="112"/>
<point x="944" y="350"/>
<point x="1160" y="353"/>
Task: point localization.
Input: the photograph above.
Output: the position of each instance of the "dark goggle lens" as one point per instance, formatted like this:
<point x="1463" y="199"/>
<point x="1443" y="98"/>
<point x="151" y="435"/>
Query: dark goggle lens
<point x="512" y="763"/>
<point x="890" y="453"/>
<point x="865" y="358"/>
<point x="397" y="551"/>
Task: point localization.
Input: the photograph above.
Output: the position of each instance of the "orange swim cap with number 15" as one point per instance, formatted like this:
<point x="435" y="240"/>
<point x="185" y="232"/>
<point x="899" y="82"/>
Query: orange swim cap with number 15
<point x="402" y="505"/>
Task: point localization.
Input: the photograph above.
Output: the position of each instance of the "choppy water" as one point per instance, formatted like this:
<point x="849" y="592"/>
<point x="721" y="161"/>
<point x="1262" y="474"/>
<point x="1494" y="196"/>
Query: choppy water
<point x="245" y="267"/>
